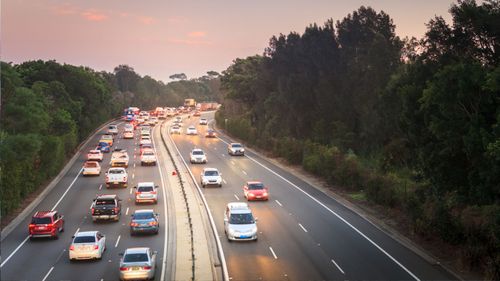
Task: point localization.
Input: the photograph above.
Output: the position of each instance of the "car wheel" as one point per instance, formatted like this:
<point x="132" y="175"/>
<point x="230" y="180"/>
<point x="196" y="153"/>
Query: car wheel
<point x="220" y="185"/>
<point x="56" y="236"/>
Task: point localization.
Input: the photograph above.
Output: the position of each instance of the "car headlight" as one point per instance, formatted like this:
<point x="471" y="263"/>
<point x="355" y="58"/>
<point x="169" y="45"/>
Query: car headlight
<point x="242" y="150"/>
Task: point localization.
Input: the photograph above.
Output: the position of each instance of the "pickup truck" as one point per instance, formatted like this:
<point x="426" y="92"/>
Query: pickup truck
<point x="119" y="158"/>
<point x="106" y="207"/>
<point x="148" y="157"/>
<point x="116" y="177"/>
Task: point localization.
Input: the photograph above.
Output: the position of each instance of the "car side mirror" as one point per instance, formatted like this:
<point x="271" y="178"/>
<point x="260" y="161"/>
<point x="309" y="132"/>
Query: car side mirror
<point x="135" y="186"/>
<point x="73" y="236"/>
<point x="156" y="186"/>
<point x="157" y="214"/>
<point x="106" y="173"/>
<point x="226" y="220"/>
<point x="256" y="219"/>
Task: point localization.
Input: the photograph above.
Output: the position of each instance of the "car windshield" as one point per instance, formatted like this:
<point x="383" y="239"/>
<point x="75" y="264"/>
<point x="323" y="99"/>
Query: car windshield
<point x="84" y="239"/>
<point x="149" y="153"/>
<point x="45" y="220"/>
<point x="211" y="173"/>
<point x="241" y="219"/>
<point x="115" y="172"/>
<point x="105" y="202"/>
<point x="143" y="216"/>
<point x="112" y="127"/>
<point x="236" y="145"/>
<point x="197" y="152"/>
<point x="90" y="165"/>
<point x="255" y="186"/>
<point x="147" y="188"/>
<point x="138" y="257"/>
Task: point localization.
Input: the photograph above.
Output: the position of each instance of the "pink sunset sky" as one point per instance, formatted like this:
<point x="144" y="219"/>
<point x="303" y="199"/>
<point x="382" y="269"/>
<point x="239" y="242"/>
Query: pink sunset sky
<point x="163" y="37"/>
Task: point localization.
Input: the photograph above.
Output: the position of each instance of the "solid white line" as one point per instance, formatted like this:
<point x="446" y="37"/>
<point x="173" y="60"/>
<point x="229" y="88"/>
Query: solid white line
<point x="303" y="228"/>
<point x="69" y="187"/>
<point x="274" y="255"/>
<point x="91" y="204"/>
<point x="224" y="181"/>
<point x="17" y="249"/>
<point x="76" y="232"/>
<point x="338" y="267"/>
<point x="278" y="202"/>
<point x="134" y="165"/>
<point x="100" y="186"/>
<point x="244" y="172"/>
<point x="47" y="275"/>
<point x="335" y="214"/>
<point x="126" y="212"/>
<point x="236" y="196"/>
<point x="130" y="191"/>
<point x="118" y="241"/>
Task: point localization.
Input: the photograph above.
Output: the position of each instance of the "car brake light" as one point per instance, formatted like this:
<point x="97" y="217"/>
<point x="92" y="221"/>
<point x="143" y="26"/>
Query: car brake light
<point x="72" y="247"/>
<point x="153" y="223"/>
<point x="96" y="247"/>
<point x="93" y="210"/>
<point x="134" y="224"/>
<point x="146" y="267"/>
<point x="137" y="193"/>
<point x="115" y="210"/>
<point x="31" y="226"/>
<point x="153" y="192"/>
<point x="123" y="268"/>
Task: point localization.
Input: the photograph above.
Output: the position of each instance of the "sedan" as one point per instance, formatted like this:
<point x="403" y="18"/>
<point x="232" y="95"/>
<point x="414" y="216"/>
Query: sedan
<point x="197" y="156"/>
<point x="94" y="155"/>
<point x="128" y="135"/>
<point x="103" y="147"/>
<point x="203" y="121"/>
<point x="138" y="263"/>
<point x="91" y="168"/>
<point x="255" y="190"/>
<point x="175" y="130"/>
<point x="146" y="192"/>
<point x="144" y="221"/>
<point x="145" y="140"/>
<point x="211" y="176"/>
<point x="210" y="134"/>
<point x="191" y="130"/>
<point x="87" y="245"/>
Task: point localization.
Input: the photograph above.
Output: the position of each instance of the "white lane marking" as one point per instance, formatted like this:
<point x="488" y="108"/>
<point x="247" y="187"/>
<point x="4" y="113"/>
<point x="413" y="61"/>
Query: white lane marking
<point x="338" y="266"/>
<point x="76" y="232"/>
<point x="91" y="204"/>
<point x="244" y="172"/>
<point x="303" y="228"/>
<point x="134" y="165"/>
<point x="100" y="186"/>
<point x="47" y="275"/>
<point x="69" y="187"/>
<point x="223" y="155"/>
<point x="133" y="176"/>
<point x="232" y="163"/>
<point x="17" y="249"/>
<point x="335" y="214"/>
<point x="130" y="191"/>
<point x="274" y="255"/>
<point x="236" y="196"/>
<point x="117" y="241"/>
<point x="126" y="212"/>
<point x="278" y="202"/>
<point x="224" y="181"/>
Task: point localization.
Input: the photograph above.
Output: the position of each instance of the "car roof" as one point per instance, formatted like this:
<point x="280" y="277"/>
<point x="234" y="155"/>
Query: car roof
<point x="238" y="206"/>
<point x="144" y="211"/>
<point x="253" y="182"/>
<point x="147" y="183"/>
<point x="117" y="168"/>
<point x="41" y="214"/>
<point x="234" y="143"/>
<point x="85" y="233"/>
<point x="136" y="250"/>
<point x="210" y="169"/>
<point x="197" y="149"/>
<point x="107" y="196"/>
<point x="95" y="151"/>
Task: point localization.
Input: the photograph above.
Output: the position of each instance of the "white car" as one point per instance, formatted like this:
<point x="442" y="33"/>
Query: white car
<point x="87" y="245"/>
<point x="203" y="121"/>
<point x="128" y="135"/>
<point x="148" y="157"/>
<point x="145" y="140"/>
<point x="175" y="130"/>
<point x="191" y="130"/>
<point x="113" y="129"/>
<point x="211" y="176"/>
<point x="197" y="156"/>
<point x="94" y="155"/>
<point x="138" y="263"/>
<point x="91" y="168"/>
<point x="146" y="192"/>
<point x="128" y="128"/>
<point x="239" y="223"/>
<point x="116" y="177"/>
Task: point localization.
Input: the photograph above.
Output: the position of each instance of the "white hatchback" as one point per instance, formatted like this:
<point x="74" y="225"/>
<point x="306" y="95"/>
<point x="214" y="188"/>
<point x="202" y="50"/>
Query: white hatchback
<point x="87" y="245"/>
<point x="191" y="130"/>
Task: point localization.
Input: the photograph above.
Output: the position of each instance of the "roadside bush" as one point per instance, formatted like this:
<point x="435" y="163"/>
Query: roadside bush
<point x="381" y="190"/>
<point x="291" y="149"/>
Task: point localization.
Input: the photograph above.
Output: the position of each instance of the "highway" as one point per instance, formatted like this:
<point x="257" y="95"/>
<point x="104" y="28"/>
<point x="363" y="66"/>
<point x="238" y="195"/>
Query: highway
<point x="303" y="233"/>
<point x="47" y="259"/>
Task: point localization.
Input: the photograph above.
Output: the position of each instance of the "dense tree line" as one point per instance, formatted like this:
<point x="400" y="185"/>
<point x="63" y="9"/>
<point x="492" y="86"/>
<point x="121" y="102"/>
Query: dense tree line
<point x="47" y="109"/>
<point x="409" y="124"/>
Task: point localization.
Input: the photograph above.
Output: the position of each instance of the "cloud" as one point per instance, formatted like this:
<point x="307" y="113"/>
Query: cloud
<point x="93" y="15"/>
<point x="197" y="34"/>
<point x="146" y="20"/>
<point x="65" y="9"/>
<point x="177" y="20"/>
<point x="190" y="42"/>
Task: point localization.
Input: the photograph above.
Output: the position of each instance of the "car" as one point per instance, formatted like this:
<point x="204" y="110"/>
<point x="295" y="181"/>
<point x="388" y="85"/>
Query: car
<point x="103" y="147"/>
<point x="138" y="263"/>
<point x="147" y="146"/>
<point x="146" y="192"/>
<point x="191" y="130"/>
<point x="197" y="113"/>
<point x="144" y="221"/>
<point x="95" y="155"/>
<point x="235" y="148"/>
<point x="210" y="134"/>
<point x="46" y="224"/>
<point x="239" y="223"/>
<point x="128" y="135"/>
<point x="91" y="168"/>
<point x="128" y="128"/>
<point x="175" y="130"/>
<point x="153" y="121"/>
<point x="107" y="138"/>
<point x="178" y="123"/>
<point x="197" y="156"/>
<point x="148" y="157"/>
<point x="113" y="129"/>
<point x="211" y="176"/>
<point x="203" y="121"/>
<point x="116" y="176"/>
<point x="145" y="140"/>
<point x="106" y="207"/>
<point x="87" y="245"/>
<point x="145" y="133"/>
<point x="255" y="190"/>
<point x="119" y="158"/>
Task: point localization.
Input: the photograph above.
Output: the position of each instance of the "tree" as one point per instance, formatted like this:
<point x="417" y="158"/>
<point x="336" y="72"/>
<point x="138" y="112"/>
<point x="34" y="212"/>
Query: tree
<point x="178" y="76"/>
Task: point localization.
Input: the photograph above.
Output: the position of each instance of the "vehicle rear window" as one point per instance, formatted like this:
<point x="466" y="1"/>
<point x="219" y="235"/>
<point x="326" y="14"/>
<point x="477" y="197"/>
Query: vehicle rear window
<point x="90" y="165"/>
<point x="143" y="216"/>
<point x="211" y="173"/>
<point x="149" y="153"/>
<point x="255" y="186"/>
<point x="116" y="172"/>
<point x="84" y="239"/>
<point x="145" y="188"/>
<point x="236" y="145"/>
<point x="45" y="220"/>
<point x="139" y="257"/>
<point x="241" y="219"/>
<point x="105" y="202"/>
<point x="197" y="152"/>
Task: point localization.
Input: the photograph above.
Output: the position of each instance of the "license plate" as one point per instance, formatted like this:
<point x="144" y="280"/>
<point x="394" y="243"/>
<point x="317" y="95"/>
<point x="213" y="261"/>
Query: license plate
<point x="259" y="196"/>
<point x="115" y="182"/>
<point x="244" y="236"/>
<point x="41" y="227"/>
<point x="136" y="268"/>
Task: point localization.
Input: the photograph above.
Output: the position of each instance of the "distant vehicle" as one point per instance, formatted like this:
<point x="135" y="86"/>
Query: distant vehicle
<point x="153" y="121"/>
<point x="255" y="190"/>
<point x="87" y="245"/>
<point x="197" y="156"/>
<point x="145" y="147"/>
<point x="239" y="223"/>
<point x="144" y="221"/>
<point x="94" y="155"/>
<point x="178" y="123"/>
<point x="146" y="192"/>
<point x="210" y="134"/>
<point x="46" y="224"/>
<point x="128" y="135"/>
<point x="145" y="140"/>
<point x="189" y="103"/>
<point x="103" y="147"/>
<point x="91" y="168"/>
<point x="197" y="113"/>
<point x="138" y="263"/>
<point x="211" y="176"/>
<point x="113" y="129"/>
<point x="148" y="157"/>
<point x="119" y="158"/>
<point x="116" y="177"/>
<point x="175" y="130"/>
<point x="204" y="106"/>
<point x="107" y="138"/>
<point x="203" y="121"/>
<point x="128" y="127"/>
<point x="106" y="207"/>
<point x="235" y="148"/>
<point x="191" y="130"/>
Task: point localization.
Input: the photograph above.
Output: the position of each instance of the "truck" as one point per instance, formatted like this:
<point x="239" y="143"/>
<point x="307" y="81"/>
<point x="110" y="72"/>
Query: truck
<point x="116" y="177"/>
<point x="205" y="106"/>
<point x="106" y="207"/>
<point x="119" y="158"/>
<point x="189" y="103"/>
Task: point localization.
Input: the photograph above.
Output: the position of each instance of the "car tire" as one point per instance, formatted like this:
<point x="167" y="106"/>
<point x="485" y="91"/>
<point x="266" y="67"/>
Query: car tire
<point x="220" y="185"/>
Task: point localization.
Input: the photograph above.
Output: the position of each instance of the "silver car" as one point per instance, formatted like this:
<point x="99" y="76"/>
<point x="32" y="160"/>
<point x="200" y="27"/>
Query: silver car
<point x="197" y="156"/>
<point x="239" y="223"/>
<point x="211" y="176"/>
<point x="138" y="263"/>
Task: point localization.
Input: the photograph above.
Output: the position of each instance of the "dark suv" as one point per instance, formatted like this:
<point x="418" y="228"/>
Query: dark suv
<point x="107" y="207"/>
<point x="46" y="224"/>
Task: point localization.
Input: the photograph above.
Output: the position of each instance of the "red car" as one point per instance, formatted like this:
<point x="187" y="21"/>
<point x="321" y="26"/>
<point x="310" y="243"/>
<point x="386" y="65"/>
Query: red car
<point x="46" y="224"/>
<point x="255" y="190"/>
